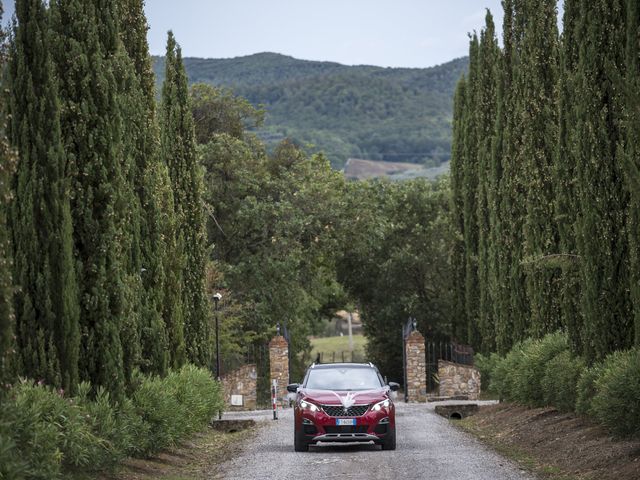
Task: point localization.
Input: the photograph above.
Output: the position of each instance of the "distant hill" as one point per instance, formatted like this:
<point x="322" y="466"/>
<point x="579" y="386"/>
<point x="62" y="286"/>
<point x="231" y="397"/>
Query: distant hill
<point x="392" y="114"/>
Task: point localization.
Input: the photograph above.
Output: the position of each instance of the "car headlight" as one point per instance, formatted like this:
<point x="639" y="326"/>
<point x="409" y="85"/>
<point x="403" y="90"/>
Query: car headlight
<point x="380" y="405"/>
<point x="308" y="406"/>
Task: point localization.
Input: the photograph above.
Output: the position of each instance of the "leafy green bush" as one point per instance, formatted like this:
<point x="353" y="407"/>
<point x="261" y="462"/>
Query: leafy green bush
<point x="527" y="376"/>
<point x="617" y="401"/>
<point x="586" y="389"/>
<point x="44" y="434"/>
<point x="487" y="365"/>
<point x="560" y="379"/>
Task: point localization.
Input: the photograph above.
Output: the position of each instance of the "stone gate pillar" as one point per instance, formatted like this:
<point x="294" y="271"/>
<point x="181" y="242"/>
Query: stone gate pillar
<point x="279" y="365"/>
<point x="416" y="368"/>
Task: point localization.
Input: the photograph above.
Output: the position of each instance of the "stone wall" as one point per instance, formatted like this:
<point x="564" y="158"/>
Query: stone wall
<point x="242" y="381"/>
<point x="279" y="366"/>
<point x="416" y="368"/>
<point x="457" y="379"/>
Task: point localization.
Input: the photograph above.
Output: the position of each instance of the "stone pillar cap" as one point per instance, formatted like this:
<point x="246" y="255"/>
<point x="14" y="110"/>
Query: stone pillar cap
<point x="278" y="341"/>
<point x="415" y="336"/>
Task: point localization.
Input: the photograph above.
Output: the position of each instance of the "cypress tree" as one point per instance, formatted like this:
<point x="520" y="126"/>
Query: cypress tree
<point x="47" y="304"/>
<point x="457" y="212"/>
<point x="185" y="171"/>
<point x="566" y="206"/>
<point x="513" y="198"/>
<point x="7" y="167"/>
<point x="537" y="79"/>
<point x="632" y="152"/>
<point x="92" y="130"/>
<point x="485" y="118"/>
<point x="601" y="228"/>
<point x="470" y="195"/>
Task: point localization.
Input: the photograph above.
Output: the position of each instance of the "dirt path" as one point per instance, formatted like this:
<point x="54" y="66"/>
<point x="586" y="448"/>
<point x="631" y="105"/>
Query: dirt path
<point x="428" y="447"/>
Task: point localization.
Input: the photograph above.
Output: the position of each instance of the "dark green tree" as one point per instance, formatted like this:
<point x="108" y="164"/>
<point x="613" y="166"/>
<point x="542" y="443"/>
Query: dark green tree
<point x="85" y="52"/>
<point x="7" y="167"/>
<point x="566" y="204"/>
<point x="186" y="173"/>
<point x="536" y="86"/>
<point x="459" y="327"/>
<point x="47" y="303"/>
<point x="602" y="224"/>
<point x="485" y="118"/>
<point x="470" y="194"/>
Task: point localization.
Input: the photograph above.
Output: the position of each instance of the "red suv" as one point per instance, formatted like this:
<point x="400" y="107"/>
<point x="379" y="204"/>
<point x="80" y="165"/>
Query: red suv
<point x="344" y="402"/>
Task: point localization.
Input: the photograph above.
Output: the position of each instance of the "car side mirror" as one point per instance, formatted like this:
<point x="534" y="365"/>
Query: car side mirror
<point x="293" y="387"/>
<point x="394" y="386"/>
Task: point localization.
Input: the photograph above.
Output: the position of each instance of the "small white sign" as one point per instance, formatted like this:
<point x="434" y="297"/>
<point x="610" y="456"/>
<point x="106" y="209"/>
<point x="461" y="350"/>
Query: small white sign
<point x="236" y="400"/>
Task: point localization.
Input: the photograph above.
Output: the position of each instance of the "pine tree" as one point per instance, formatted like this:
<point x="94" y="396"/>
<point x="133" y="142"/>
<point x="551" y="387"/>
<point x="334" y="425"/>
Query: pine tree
<point x="47" y="304"/>
<point x="7" y="166"/>
<point x="86" y="48"/>
<point x="185" y="171"/>
<point x="537" y="78"/>
<point x="459" y="326"/>
<point x="631" y="160"/>
<point x="485" y="118"/>
<point x="566" y="206"/>
<point x="601" y="228"/>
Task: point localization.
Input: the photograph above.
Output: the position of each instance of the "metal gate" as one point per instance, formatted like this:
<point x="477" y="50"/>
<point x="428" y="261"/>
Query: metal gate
<point x="448" y="351"/>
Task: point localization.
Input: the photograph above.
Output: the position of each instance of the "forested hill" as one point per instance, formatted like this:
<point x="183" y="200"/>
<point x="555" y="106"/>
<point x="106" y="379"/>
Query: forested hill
<point x="392" y="114"/>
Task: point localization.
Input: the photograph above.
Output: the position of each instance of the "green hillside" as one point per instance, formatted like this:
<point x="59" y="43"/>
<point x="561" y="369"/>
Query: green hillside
<point x="392" y="114"/>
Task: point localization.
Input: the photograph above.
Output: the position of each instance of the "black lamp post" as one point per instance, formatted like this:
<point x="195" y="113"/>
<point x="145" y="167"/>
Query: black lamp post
<point x="216" y="298"/>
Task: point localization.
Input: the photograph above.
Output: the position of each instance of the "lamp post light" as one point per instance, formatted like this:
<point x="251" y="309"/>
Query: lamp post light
<point x="216" y="299"/>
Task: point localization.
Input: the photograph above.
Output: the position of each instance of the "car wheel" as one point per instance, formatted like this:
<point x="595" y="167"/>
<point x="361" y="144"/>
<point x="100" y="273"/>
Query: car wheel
<point x="389" y="443"/>
<point x="299" y="442"/>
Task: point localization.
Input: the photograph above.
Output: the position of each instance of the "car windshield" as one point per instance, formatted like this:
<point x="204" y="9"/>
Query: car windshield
<point x="346" y="378"/>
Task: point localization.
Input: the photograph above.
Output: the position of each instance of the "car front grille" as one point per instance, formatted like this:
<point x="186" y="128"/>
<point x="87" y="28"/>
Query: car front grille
<point x="346" y="428"/>
<point x="340" y="411"/>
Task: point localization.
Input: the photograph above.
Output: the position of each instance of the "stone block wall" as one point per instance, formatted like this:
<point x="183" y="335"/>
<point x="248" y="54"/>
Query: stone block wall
<point x="242" y="381"/>
<point x="457" y="379"/>
<point x="416" y="368"/>
<point x="279" y="366"/>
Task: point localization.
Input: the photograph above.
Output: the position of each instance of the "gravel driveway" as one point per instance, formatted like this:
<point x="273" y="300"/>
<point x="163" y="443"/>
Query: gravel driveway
<point x="428" y="447"/>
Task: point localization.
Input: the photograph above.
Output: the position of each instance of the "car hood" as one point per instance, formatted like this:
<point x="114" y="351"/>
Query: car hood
<point x="331" y="397"/>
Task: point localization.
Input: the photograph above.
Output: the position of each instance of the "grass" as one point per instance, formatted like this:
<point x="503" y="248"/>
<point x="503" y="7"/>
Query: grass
<point x="328" y="345"/>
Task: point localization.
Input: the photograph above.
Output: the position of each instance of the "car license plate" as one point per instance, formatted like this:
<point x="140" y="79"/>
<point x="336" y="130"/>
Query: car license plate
<point x="345" y="421"/>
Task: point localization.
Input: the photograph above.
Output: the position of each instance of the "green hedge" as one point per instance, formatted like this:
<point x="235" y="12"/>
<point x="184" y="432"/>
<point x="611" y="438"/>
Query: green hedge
<point x="44" y="434"/>
<point x="544" y="372"/>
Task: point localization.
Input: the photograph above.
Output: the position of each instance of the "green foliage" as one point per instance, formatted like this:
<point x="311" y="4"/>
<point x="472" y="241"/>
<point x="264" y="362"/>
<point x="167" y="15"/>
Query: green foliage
<point x="617" y="401"/>
<point x="185" y="172"/>
<point x="360" y="111"/>
<point x="586" y="389"/>
<point x="56" y="435"/>
<point x="487" y="364"/>
<point x="560" y="380"/>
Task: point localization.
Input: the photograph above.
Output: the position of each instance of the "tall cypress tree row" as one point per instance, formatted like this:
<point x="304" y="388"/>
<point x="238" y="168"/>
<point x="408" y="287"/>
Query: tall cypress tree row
<point x="47" y="304"/>
<point x="566" y="205"/>
<point x="185" y="171"/>
<point x="470" y="195"/>
<point x="537" y="87"/>
<point x="92" y="130"/>
<point x="7" y="166"/>
<point x="457" y="211"/>
<point x="631" y="161"/>
<point x="485" y="117"/>
<point x="601" y="229"/>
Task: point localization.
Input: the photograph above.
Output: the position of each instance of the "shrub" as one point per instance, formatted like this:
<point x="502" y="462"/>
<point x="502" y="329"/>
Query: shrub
<point x="616" y="403"/>
<point x="560" y="380"/>
<point x="586" y="389"/>
<point x="528" y="374"/>
<point x="487" y="365"/>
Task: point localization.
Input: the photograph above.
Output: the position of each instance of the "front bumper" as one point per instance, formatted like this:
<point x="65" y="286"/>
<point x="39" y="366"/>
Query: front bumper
<point x="320" y="427"/>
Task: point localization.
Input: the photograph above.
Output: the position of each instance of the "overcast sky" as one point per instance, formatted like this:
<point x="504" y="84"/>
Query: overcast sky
<point x="398" y="33"/>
